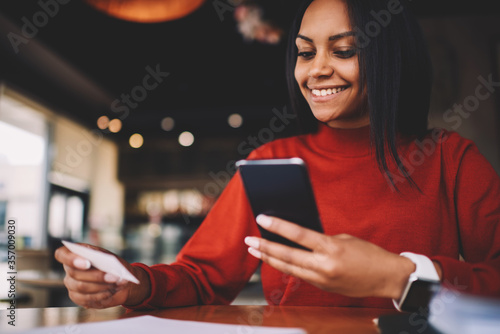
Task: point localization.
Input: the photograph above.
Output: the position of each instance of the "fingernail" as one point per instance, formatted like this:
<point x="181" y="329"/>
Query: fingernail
<point x="263" y="220"/>
<point x="252" y="242"/>
<point x="81" y="263"/>
<point x="122" y="282"/>
<point x="110" y="278"/>
<point x="254" y="252"/>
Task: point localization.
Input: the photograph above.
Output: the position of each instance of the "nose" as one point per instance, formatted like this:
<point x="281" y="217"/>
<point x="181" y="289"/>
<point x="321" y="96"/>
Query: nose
<point x="320" y="66"/>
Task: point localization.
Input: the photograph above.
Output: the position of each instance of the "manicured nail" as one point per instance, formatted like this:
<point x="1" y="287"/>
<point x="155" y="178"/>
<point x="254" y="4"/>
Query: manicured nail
<point x="110" y="278"/>
<point x="263" y="220"/>
<point x="119" y="287"/>
<point x="81" y="263"/>
<point x="252" y="242"/>
<point x="121" y="282"/>
<point x="255" y="252"/>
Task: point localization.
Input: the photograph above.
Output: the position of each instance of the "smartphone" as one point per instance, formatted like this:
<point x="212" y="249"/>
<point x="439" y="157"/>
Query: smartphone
<point x="280" y="188"/>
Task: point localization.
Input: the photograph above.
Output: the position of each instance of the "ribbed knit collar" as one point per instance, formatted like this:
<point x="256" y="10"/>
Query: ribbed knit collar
<point x="344" y="142"/>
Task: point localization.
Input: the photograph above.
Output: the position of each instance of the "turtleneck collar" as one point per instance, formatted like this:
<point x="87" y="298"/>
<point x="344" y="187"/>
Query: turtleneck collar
<point x="345" y="142"/>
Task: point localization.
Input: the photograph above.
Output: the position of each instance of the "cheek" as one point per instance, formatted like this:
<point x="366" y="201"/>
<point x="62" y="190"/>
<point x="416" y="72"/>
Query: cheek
<point x="350" y="72"/>
<point x="354" y="70"/>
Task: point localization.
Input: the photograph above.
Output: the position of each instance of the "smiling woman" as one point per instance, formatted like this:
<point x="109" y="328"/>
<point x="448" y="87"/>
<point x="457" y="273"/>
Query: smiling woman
<point x="327" y="68"/>
<point x="391" y="230"/>
<point x="386" y="71"/>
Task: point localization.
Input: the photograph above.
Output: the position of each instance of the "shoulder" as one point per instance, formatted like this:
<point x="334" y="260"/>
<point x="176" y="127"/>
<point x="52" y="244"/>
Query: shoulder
<point x="454" y="142"/>
<point x="458" y="151"/>
<point x="443" y="141"/>
<point x="443" y="149"/>
<point x="454" y="146"/>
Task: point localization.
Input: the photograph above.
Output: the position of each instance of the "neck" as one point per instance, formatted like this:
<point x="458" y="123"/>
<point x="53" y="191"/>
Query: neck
<point x="343" y="141"/>
<point x="350" y="123"/>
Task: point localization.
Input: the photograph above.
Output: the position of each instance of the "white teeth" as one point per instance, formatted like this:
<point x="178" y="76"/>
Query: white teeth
<point x="329" y="91"/>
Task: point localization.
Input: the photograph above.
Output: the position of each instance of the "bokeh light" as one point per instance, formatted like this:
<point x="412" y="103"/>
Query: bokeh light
<point x="115" y="125"/>
<point x="167" y="124"/>
<point x="102" y="122"/>
<point x="186" y="138"/>
<point x="235" y="120"/>
<point x="136" y="140"/>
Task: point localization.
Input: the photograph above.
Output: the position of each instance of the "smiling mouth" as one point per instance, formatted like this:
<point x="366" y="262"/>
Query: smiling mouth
<point x="329" y="91"/>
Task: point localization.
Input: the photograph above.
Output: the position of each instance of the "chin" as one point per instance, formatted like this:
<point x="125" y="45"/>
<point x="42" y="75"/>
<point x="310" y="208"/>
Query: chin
<point x="324" y="117"/>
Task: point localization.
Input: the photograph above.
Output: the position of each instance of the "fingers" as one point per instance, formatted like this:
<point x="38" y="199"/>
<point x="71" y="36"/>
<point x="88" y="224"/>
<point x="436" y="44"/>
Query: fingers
<point x="88" y="286"/>
<point x="303" y="236"/>
<point x="341" y="263"/>
<point x="293" y="261"/>
<point x="90" y="275"/>
<point x="285" y="253"/>
<point x="66" y="257"/>
<point x="96" y="300"/>
<point x="80" y="268"/>
<point x="266" y="250"/>
<point x="290" y="269"/>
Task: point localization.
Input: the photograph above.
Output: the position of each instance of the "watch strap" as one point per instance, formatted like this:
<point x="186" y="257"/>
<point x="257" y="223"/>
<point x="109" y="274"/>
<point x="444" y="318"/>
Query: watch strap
<point x="424" y="270"/>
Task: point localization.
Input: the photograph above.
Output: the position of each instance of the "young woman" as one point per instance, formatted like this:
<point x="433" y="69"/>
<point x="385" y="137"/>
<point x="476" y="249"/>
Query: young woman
<point x="360" y="81"/>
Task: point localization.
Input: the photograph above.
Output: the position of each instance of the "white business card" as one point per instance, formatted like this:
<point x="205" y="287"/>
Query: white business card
<point x="102" y="261"/>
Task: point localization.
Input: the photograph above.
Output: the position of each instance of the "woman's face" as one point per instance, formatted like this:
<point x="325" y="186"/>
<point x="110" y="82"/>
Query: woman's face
<point x="327" y="69"/>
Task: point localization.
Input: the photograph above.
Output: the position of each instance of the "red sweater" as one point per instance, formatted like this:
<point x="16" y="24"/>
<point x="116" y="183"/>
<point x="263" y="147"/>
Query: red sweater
<point x="457" y="213"/>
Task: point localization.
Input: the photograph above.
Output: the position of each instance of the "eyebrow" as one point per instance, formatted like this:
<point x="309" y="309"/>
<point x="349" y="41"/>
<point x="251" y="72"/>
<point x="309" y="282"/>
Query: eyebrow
<point x="331" y="38"/>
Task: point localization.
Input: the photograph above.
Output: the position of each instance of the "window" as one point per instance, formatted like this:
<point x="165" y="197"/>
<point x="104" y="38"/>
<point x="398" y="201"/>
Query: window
<point x="23" y="169"/>
<point x="67" y="213"/>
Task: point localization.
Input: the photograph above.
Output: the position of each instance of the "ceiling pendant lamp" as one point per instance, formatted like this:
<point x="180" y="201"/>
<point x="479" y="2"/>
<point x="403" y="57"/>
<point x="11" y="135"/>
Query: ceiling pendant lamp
<point x="146" y="11"/>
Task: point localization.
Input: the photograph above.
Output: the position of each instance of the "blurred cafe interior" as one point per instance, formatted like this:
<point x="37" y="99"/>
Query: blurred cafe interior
<point x="121" y="120"/>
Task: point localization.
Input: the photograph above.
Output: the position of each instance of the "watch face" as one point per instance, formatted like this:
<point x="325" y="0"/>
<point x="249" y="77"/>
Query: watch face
<point x="419" y="295"/>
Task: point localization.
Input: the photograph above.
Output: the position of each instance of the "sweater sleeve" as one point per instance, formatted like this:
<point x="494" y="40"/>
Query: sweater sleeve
<point x="477" y="203"/>
<point x="214" y="265"/>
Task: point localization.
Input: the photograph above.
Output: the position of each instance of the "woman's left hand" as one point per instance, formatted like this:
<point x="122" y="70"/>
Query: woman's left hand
<point x="340" y="263"/>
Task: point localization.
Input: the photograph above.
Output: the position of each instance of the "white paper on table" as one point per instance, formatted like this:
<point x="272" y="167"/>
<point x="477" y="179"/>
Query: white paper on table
<point x="152" y="325"/>
<point x="102" y="261"/>
<point x="452" y="311"/>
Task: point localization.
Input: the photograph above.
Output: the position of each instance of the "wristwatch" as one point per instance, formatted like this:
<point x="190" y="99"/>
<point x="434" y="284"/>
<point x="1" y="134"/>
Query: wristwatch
<point x="421" y="286"/>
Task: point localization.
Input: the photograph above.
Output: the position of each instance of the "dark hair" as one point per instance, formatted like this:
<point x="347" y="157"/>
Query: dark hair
<point x="395" y="67"/>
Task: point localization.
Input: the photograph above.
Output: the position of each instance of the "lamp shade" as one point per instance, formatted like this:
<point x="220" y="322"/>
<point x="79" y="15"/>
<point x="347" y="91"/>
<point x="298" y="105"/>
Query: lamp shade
<point x="146" y="11"/>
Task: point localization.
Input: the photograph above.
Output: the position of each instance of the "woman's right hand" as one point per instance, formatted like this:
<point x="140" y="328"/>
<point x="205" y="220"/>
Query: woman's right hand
<point x="92" y="288"/>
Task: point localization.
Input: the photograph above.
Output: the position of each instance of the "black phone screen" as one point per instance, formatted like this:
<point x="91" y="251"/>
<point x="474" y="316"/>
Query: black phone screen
<point x="280" y="188"/>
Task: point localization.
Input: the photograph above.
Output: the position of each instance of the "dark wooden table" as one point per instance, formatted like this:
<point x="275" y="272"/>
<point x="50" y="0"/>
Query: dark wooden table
<point x="312" y="319"/>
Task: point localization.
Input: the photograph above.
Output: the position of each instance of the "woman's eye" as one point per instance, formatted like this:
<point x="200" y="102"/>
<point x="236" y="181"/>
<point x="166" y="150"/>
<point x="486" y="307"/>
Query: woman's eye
<point x="306" y="54"/>
<point x="345" y="53"/>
